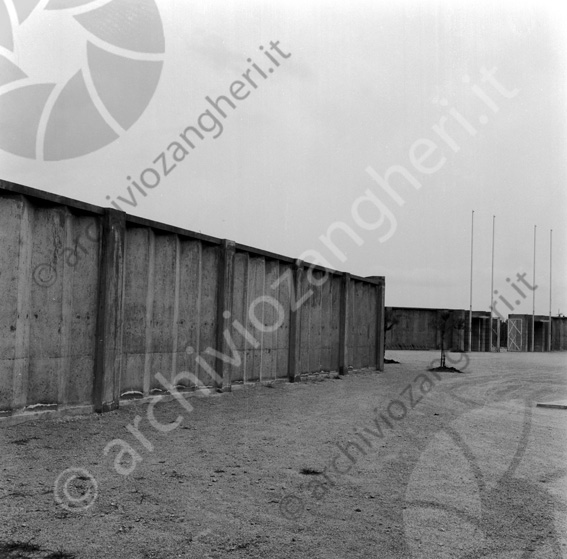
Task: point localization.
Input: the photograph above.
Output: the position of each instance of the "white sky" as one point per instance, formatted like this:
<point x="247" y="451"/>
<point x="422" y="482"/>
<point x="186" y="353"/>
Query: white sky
<point x="365" y="82"/>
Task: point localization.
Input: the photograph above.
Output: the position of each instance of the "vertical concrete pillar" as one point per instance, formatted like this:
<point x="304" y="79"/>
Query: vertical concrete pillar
<point x="498" y="326"/>
<point x="17" y="218"/>
<point x="224" y="310"/>
<point x="293" y="372"/>
<point x="110" y="319"/>
<point x="380" y="326"/>
<point x="343" y="325"/>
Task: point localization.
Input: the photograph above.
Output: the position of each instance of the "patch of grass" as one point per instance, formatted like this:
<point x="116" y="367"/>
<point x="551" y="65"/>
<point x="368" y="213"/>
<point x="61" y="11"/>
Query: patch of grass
<point x="60" y="555"/>
<point x="19" y="494"/>
<point x="22" y="442"/>
<point x="310" y="472"/>
<point x="18" y="550"/>
<point x="445" y="370"/>
<point x="28" y="550"/>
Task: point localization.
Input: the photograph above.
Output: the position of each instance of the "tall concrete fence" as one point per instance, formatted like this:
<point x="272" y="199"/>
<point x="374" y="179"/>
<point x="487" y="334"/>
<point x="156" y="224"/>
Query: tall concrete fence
<point x="559" y="333"/>
<point x="420" y="328"/>
<point x="99" y="306"/>
<point x="520" y="333"/>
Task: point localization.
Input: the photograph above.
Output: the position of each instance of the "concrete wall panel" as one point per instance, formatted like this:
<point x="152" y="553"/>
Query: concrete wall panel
<point x="139" y="243"/>
<point x="326" y="331"/>
<point x="271" y="319"/>
<point x="366" y="323"/>
<point x="80" y="305"/>
<point x="315" y="325"/>
<point x="280" y="290"/>
<point x="46" y="311"/>
<point x="190" y="279"/>
<point x="335" y="285"/>
<point x="351" y="338"/>
<point x="305" y="322"/>
<point x="372" y="324"/>
<point x="239" y="312"/>
<point x="358" y="325"/>
<point x="205" y="369"/>
<point x="256" y="275"/>
<point x="559" y="333"/>
<point x="15" y="285"/>
<point x="161" y="329"/>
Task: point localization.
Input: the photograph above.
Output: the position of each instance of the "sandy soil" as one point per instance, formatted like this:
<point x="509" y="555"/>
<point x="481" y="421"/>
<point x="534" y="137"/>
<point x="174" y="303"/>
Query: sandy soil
<point x="405" y="463"/>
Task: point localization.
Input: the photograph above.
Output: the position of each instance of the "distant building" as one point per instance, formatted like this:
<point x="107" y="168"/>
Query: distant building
<point x="418" y="328"/>
<point x="558" y="333"/>
<point x="520" y="333"/>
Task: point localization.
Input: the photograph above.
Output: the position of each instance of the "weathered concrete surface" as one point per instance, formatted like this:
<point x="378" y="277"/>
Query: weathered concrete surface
<point x="110" y="313"/>
<point x="540" y="338"/>
<point x="49" y="275"/>
<point x="100" y="306"/>
<point x="558" y="333"/>
<point x="418" y="328"/>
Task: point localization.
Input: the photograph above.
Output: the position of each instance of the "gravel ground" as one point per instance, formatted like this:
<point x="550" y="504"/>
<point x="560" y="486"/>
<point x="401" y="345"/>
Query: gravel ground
<point x="405" y="463"/>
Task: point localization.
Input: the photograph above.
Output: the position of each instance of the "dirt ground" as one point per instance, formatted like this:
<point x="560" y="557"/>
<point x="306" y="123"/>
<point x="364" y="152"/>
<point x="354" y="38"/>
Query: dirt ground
<point x="404" y="463"/>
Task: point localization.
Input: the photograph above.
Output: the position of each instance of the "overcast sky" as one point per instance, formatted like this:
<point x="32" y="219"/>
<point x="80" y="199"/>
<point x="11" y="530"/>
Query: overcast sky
<point x="385" y="123"/>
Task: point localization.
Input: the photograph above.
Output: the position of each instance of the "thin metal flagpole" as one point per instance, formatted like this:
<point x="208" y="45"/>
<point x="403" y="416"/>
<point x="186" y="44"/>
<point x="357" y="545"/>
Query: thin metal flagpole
<point x="469" y="344"/>
<point x="492" y="284"/>
<point x="550" y="287"/>
<point x="533" y="294"/>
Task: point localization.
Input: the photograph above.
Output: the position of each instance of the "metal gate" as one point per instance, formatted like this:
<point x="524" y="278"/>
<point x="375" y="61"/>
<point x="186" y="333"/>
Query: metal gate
<point x="515" y="334"/>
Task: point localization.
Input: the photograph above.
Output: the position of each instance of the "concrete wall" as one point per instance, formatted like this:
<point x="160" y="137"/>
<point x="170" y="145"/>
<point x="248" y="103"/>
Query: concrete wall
<point x="480" y="330"/>
<point x="418" y="328"/>
<point x="558" y="333"/>
<point x="541" y="335"/>
<point x="96" y="303"/>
